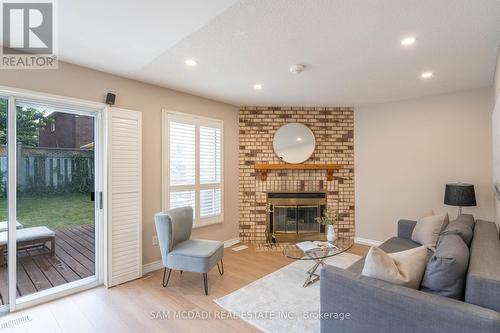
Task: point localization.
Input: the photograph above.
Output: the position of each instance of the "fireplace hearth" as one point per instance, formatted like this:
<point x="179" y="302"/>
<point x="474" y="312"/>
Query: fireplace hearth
<point x="291" y="216"/>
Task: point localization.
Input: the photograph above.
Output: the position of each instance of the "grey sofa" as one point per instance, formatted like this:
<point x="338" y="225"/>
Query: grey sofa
<point x="377" y="306"/>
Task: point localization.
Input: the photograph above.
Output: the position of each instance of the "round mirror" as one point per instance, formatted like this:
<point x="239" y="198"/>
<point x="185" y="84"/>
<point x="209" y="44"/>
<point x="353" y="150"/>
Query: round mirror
<point x="294" y="143"/>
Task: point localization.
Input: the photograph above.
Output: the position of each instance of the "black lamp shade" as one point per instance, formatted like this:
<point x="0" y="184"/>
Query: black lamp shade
<point x="459" y="194"/>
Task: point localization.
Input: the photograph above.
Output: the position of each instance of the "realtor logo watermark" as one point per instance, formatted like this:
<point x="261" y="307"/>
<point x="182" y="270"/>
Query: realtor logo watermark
<point x="28" y="35"/>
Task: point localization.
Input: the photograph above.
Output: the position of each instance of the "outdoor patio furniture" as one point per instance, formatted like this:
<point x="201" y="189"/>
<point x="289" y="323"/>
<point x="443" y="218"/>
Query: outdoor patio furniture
<point x="4" y="226"/>
<point x="28" y="238"/>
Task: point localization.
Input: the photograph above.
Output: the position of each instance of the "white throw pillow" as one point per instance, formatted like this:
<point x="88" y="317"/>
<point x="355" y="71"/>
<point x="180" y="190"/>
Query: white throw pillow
<point x="427" y="229"/>
<point x="404" y="268"/>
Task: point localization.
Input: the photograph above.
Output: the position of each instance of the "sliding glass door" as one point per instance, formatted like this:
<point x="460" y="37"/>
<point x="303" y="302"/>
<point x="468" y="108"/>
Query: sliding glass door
<point x="4" y="225"/>
<point x="55" y="196"/>
<point x="51" y="194"/>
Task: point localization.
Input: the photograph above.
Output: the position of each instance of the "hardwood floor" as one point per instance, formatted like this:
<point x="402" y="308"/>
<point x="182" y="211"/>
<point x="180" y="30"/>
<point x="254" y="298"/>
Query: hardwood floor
<point x="131" y="307"/>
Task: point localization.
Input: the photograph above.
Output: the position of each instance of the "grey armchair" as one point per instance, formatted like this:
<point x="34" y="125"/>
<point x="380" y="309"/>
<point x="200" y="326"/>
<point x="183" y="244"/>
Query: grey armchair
<point x="178" y="252"/>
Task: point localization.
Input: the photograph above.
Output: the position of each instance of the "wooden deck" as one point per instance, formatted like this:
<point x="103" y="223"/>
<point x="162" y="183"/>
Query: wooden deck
<point x="38" y="270"/>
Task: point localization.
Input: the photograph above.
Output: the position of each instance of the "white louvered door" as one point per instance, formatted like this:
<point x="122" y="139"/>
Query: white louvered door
<point x="125" y="196"/>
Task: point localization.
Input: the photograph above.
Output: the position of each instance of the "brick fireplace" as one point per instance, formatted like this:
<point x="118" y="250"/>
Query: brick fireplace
<point x="333" y="128"/>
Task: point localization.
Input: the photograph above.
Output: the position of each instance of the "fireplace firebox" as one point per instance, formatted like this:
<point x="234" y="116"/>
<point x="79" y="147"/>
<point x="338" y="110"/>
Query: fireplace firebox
<point x="292" y="216"/>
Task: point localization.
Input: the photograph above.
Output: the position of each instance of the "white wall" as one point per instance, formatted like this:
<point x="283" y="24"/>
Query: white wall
<point x="497" y="77"/>
<point x="496" y="139"/>
<point x="496" y="156"/>
<point x="405" y="153"/>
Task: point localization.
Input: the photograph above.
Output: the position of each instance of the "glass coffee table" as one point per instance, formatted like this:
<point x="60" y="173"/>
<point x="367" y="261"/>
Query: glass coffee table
<point x="339" y="246"/>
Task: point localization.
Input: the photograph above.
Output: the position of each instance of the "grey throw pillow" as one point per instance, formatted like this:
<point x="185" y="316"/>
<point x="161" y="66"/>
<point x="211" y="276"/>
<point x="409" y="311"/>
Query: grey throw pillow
<point x="461" y="228"/>
<point x="446" y="270"/>
<point x="428" y="228"/>
<point x="466" y="219"/>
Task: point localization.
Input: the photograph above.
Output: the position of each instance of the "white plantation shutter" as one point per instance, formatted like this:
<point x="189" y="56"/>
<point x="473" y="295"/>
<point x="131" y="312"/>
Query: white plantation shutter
<point x="182" y="199"/>
<point x="210" y="163"/>
<point x="182" y="153"/>
<point x="182" y="170"/>
<point x="210" y="171"/>
<point x="193" y="163"/>
<point x="125" y="196"/>
<point x="210" y="202"/>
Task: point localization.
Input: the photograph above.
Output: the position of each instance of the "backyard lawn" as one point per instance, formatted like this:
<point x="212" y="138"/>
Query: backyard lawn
<point x="52" y="211"/>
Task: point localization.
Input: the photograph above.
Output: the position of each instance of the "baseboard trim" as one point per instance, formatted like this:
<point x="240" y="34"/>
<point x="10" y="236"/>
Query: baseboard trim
<point x="151" y="267"/>
<point x="365" y="241"/>
<point x="231" y="242"/>
<point x="156" y="265"/>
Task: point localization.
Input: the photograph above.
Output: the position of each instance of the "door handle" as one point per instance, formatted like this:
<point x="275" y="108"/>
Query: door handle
<point x="101" y="200"/>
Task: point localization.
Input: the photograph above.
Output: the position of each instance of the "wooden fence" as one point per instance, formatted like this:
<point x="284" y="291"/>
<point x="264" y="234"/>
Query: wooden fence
<point x="51" y="169"/>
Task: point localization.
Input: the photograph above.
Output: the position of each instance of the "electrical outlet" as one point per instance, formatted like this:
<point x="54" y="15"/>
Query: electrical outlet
<point x="155" y="240"/>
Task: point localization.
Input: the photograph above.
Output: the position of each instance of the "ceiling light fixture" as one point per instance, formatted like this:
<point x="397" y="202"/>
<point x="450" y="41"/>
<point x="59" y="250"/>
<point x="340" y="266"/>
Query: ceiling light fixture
<point x="427" y="75"/>
<point x="297" y="69"/>
<point x="191" y="62"/>
<point x="257" y="86"/>
<point x="299" y="139"/>
<point x="408" y="41"/>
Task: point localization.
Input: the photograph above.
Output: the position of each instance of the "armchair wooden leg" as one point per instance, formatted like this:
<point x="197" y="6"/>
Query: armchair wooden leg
<point x="164" y="284"/>
<point x="221" y="268"/>
<point x="205" y="282"/>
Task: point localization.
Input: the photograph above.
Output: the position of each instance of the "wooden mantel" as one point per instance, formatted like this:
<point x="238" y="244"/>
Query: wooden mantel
<point x="264" y="168"/>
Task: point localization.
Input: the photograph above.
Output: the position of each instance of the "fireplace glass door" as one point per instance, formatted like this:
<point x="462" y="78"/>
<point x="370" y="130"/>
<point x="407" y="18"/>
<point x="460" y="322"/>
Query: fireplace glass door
<point x="306" y="219"/>
<point x="296" y="219"/>
<point x="285" y="219"/>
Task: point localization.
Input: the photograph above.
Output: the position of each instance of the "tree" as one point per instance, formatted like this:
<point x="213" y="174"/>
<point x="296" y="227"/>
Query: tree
<point x="29" y="122"/>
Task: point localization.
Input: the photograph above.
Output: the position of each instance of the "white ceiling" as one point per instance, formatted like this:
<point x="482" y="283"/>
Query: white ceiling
<point x="124" y="36"/>
<point x="351" y="47"/>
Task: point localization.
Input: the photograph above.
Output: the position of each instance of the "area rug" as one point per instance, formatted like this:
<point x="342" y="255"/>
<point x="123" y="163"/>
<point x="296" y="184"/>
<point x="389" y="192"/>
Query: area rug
<point x="278" y="302"/>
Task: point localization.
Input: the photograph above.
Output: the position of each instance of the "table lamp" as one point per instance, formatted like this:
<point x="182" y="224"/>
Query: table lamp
<point x="459" y="194"/>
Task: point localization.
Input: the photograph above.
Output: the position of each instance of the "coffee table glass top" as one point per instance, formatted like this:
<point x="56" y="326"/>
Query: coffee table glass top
<point x="340" y="245"/>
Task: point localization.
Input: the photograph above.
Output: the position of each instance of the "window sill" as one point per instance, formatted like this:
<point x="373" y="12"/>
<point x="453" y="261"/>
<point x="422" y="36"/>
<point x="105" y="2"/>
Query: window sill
<point x="207" y="223"/>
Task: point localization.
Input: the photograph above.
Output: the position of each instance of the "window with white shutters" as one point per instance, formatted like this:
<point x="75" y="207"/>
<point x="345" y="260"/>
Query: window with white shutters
<point x="193" y="163"/>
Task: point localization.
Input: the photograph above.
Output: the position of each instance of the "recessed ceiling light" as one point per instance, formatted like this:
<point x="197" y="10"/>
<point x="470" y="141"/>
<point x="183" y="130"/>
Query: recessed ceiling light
<point x="299" y="139"/>
<point x="408" y="41"/>
<point x="191" y="62"/>
<point x="257" y="86"/>
<point x="297" y="69"/>
<point x="427" y="75"/>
